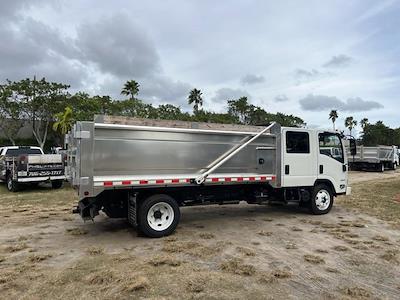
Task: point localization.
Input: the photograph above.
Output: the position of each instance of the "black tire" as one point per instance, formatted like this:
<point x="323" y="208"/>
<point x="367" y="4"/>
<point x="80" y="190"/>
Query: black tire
<point x="12" y="185"/>
<point x="320" y="195"/>
<point x="57" y="184"/>
<point x="146" y="226"/>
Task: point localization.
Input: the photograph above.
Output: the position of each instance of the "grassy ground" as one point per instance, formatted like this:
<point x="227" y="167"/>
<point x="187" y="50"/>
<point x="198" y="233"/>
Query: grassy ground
<point x="377" y="198"/>
<point x="218" y="252"/>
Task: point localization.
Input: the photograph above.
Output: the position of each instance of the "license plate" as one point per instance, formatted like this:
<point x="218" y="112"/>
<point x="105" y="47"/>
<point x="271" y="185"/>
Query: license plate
<point x="45" y="173"/>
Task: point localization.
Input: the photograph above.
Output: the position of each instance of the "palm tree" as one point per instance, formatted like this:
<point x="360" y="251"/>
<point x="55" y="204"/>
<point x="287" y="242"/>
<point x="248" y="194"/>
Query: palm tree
<point x="131" y="88"/>
<point x="333" y="115"/>
<point x="364" y="123"/>
<point x="64" y="121"/>
<point x="350" y="123"/>
<point x="195" y="99"/>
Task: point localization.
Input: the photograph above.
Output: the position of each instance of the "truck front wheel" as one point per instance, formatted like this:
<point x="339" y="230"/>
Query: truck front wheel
<point x="12" y="185"/>
<point x="321" y="200"/>
<point x="158" y="216"/>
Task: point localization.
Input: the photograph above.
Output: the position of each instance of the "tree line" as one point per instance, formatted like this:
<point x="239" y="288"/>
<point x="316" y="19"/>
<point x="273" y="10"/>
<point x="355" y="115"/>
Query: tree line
<point x="48" y="105"/>
<point x="372" y="134"/>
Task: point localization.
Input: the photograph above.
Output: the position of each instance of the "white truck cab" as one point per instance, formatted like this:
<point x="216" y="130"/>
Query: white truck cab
<point x="310" y="156"/>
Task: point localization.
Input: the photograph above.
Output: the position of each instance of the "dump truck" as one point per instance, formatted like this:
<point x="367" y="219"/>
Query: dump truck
<point x="23" y="165"/>
<point x="379" y="158"/>
<point x="145" y="171"/>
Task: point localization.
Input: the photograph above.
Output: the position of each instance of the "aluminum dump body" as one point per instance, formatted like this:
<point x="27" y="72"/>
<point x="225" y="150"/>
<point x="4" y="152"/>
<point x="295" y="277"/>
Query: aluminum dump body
<point x="373" y="154"/>
<point x="106" y="156"/>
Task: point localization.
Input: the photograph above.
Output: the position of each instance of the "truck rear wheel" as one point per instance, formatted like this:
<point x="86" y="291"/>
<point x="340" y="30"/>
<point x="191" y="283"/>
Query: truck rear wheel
<point x="12" y="185"/>
<point x="321" y="200"/>
<point x="57" y="184"/>
<point x="159" y="216"/>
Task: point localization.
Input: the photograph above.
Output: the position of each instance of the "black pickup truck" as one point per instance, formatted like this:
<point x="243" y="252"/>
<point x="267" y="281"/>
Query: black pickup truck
<point x="29" y="165"/>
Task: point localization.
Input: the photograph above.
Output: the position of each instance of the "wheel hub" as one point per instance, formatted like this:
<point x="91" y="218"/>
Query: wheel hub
<point x="158" y="214"/>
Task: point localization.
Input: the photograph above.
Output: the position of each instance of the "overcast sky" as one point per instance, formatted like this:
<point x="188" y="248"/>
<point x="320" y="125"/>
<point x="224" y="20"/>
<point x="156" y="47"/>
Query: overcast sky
<point x="297" y="57"/>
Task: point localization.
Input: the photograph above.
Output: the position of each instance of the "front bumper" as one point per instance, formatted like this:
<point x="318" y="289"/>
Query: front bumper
<point x="348" y="191"/>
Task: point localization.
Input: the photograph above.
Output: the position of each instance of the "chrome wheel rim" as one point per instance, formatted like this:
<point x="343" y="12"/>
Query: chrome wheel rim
<point x="9" y="184"/>
<point x="160" y="216"/>
<point x="322" y="199"/>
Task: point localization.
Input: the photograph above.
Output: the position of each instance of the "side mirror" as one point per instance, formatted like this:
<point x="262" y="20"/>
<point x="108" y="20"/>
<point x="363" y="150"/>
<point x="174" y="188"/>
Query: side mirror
<point x="353" y="147"/>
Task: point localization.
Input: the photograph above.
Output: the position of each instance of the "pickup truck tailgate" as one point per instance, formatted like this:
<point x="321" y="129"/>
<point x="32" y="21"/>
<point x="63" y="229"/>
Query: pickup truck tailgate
<point x="45" y="159"/>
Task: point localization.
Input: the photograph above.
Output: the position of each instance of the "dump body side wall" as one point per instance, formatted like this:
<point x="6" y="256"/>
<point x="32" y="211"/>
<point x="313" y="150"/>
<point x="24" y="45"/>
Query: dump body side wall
<point x="132" y="152"/>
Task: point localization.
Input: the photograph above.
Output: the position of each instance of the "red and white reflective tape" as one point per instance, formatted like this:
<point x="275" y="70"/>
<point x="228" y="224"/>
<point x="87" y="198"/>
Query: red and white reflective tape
<point x="183" y="181"/>
<point x="240" y="179"/>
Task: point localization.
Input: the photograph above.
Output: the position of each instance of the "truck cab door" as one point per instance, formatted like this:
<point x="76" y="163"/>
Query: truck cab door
<point x="299" y="166"/>
<point x="332" y="161"/>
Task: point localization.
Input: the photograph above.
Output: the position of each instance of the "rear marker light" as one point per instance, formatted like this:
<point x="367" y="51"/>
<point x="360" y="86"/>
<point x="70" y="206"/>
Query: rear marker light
<point x="143" y="182"/>
<point x="214" y="179"/>
<point x="108" y="183"/>
<point x="126" y="182"/>
<point x="175" y="180"/>
<point x="159" y="181"/>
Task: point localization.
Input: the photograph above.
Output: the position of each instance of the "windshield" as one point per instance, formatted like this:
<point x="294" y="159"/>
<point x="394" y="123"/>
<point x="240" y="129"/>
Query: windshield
<point x="19" y="151"/>
<point x="330" y="145"/>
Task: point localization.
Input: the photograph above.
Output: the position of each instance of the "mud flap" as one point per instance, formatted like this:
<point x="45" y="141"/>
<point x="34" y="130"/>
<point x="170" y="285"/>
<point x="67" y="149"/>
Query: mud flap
<point x="132" y="210"/>
<point x="87" y="209"/>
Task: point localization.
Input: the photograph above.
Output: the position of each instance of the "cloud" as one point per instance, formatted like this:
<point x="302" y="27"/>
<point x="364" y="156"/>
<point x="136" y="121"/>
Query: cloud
<point x="30" y="48"/>
<point x="281" y="98"/>
<point x="303" y="75"/>
<point x="323" y="103"/>
<point x="118" y="46"/>
<point x="374" y="10"/>
<point x="225" y="94"/>
<point x="252" y="79"/>
<point x="358" y="104"/>
<point x="8" y="9"/>
<point x="338" y="61"/>
<point x="163" y="89"/>
<point x="102" y="56"/>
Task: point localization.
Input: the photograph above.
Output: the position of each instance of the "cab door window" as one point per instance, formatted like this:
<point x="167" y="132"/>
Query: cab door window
<point x="297" y="142"/>
<point x="331" y="145"/>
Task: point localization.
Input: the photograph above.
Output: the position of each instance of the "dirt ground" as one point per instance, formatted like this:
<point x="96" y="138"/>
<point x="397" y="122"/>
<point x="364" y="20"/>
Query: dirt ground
<point x="218" y="252"/>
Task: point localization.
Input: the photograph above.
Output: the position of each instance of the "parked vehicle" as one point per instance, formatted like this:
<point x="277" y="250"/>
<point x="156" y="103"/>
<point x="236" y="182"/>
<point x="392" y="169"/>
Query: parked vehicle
<point x="377" y="158"/>
<point x="29" y="165"/>
<point x="146" y="173"/>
